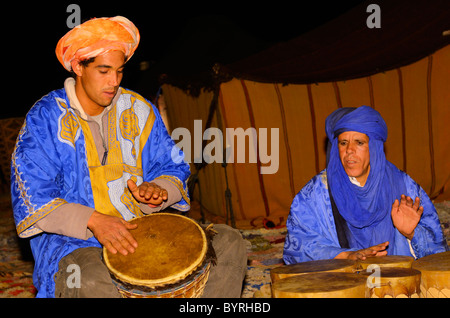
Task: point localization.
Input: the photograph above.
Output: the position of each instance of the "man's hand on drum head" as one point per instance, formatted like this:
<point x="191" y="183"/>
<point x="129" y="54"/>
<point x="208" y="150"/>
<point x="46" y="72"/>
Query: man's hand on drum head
<point x="148" y="192"/>
<point x="113" y="233"/>
<point x="377" y="250"/>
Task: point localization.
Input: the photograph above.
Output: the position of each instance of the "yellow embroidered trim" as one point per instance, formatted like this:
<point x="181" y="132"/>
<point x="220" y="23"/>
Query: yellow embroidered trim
<point x="114" y="150"/>
<point x="177" y="182"/>
<point x="91" y="150"/>
<point x="26" y="227"/>
<point x="129" y="127"/>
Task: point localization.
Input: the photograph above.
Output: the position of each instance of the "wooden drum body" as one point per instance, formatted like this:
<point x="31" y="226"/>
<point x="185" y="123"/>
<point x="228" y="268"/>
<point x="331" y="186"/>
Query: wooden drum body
<point x="383" y="276"/>
<point x="393" y="282"/>
<point x="333" y="278"/>
<point x="435" y="270"/>
<point x="340" y="278"/>
<point x="168" y="262"/>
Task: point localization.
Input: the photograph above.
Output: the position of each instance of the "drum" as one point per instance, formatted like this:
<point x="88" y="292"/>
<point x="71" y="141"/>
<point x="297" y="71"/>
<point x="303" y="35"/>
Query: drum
<point x="168" y="262"/>
<point x="326" y="265"/>
<point x="321" y="285"/>
<point x="392" y="282"/>
<point x="386" y="261"/>
<point x="435" y="270"/>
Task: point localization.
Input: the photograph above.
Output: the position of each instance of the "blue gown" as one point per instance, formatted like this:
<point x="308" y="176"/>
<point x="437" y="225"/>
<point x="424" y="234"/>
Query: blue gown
<point x="366" y="211"/>
<point x="56" y="162"/>
<point x="312" y="230"/>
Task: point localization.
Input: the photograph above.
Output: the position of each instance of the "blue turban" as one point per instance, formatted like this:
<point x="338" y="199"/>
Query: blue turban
<point x="366" y="210"/>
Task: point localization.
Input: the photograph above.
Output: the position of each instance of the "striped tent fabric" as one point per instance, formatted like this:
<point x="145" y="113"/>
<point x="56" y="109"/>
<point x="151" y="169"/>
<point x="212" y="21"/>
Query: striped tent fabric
<point x="413" y="100"/>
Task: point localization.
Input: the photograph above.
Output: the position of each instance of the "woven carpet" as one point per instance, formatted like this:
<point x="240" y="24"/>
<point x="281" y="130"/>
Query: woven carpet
<point x="264" y="252"/>
<point x="16" y="262"/>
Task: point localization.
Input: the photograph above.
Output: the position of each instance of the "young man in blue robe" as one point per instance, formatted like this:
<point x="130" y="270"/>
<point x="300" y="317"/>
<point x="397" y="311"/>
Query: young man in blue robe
<point x="92" y="156"/>
<point x="361" y="205"/>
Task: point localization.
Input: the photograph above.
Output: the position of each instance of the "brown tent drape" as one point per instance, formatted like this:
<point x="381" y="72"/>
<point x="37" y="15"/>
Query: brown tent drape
<point x="401" y="69"/>
<point x="414" y="100"/>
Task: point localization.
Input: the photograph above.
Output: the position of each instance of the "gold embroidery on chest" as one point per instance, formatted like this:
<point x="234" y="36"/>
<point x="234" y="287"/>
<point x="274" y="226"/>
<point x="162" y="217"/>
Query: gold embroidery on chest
<point x="68" y="125"/>
<point x="129" y="127"/>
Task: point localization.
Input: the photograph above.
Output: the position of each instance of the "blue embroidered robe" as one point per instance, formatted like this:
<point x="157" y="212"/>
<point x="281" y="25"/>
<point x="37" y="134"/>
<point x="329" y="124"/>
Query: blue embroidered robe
<point x="312" y="230"/>
<point x="56" y="162"/>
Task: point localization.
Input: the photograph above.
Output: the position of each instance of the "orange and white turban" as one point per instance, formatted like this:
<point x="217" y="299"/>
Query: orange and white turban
<point x="95" y="37"/>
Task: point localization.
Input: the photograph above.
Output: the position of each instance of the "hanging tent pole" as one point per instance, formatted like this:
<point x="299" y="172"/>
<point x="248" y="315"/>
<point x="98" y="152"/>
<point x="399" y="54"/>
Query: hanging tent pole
<point x="194" y="179"/>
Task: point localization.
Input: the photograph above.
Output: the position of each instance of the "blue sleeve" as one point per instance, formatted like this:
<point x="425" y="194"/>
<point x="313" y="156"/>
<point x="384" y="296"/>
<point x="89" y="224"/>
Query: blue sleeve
<point x="428" y="236"/>
<point x="311" y="229"/>
<point x="36" y="177"/>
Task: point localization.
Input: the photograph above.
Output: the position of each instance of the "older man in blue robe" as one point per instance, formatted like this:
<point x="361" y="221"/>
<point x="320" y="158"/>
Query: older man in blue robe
<point x="361" y="205"/>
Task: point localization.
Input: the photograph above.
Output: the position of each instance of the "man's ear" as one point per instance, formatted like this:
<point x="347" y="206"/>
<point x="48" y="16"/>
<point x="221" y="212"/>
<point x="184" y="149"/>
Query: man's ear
<point x="77" y="68"/>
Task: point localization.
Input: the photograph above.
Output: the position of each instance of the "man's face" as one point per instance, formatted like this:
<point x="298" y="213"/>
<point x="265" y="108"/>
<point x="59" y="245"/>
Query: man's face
<point x="354" y="154"/>
<point x="99" y="80"/>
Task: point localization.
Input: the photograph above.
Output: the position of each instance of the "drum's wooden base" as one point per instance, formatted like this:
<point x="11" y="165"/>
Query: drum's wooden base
<point x="435" y="270"/>
<point x="393" y="282"/>
<point x="192" y="287"/>
<point x="434" y="293"/>
<point x="321" y="285"/>
<point x="415" y="295"/>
